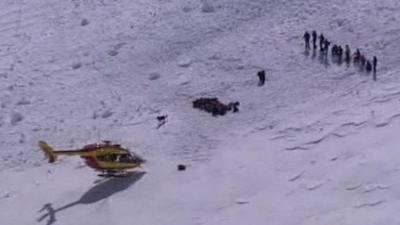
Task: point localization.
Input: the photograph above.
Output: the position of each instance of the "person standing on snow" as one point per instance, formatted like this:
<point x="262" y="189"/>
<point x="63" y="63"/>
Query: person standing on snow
<point x="347" y="56"/>
<point x="261" y="77"/>
<point x="374" y="63"/>
<point x="321" y="42"/>
<point x="340" y="54"/>
<point x="314" y="39"/>
<point x="307" y="39"/>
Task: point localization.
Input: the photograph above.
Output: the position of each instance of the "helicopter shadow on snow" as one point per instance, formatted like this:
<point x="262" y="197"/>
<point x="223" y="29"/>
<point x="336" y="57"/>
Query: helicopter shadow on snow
<point x="97" y="193"/>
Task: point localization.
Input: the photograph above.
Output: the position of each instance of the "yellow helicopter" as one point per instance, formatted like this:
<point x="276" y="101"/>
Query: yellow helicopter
<point x="111" y="159"/>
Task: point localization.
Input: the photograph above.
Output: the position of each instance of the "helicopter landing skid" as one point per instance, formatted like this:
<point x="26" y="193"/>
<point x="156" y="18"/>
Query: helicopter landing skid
<point x="116" y="174"/>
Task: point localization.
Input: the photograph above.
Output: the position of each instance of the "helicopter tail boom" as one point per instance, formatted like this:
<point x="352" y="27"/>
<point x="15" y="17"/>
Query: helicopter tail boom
<point x="48" y="151"/>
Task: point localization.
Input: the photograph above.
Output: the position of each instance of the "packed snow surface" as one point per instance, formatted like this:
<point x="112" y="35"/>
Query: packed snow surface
<point x="318" y="144"/>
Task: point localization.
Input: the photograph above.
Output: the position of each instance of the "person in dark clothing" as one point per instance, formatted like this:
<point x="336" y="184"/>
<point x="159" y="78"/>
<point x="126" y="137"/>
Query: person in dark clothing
<point x="347" y="55"/>
<point x="374" y="63"/>
<point x="368" y="67"/>
<point x="321" y="42"/>
<point x="340" y="54"/>
<point x="307" y="39"/>
<point x="261" y="77"/>
<point x="314" y="39"/>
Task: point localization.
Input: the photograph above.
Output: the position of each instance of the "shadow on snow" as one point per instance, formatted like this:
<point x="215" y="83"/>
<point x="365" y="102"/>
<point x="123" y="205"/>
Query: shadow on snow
<point x="98" y="192"/>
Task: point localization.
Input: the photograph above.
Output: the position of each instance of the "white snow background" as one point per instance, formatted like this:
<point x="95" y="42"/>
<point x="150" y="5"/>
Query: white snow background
<point x="316" y="145"/>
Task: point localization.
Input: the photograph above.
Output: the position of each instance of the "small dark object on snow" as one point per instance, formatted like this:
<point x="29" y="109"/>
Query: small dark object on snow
<point x="214" y="106"/>
<point x="161" y="118"/>
<point x="234" y="106"/>
<point x="181" y="167"/>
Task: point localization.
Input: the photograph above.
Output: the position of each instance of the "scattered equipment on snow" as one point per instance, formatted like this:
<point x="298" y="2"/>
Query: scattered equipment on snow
<point x="214" y="106"/>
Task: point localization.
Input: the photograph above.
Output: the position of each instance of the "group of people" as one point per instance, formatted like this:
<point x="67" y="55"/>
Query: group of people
<point x="339" y="53"/>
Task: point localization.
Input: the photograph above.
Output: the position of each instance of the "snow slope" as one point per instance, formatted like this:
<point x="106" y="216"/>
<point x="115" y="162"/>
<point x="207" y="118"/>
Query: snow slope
<point x="316" y="145"/>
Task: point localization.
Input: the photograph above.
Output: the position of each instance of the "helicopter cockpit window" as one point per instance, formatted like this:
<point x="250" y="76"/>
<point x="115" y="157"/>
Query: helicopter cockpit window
<point x="125" y="158"/>
<point x="107" y="158"/>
